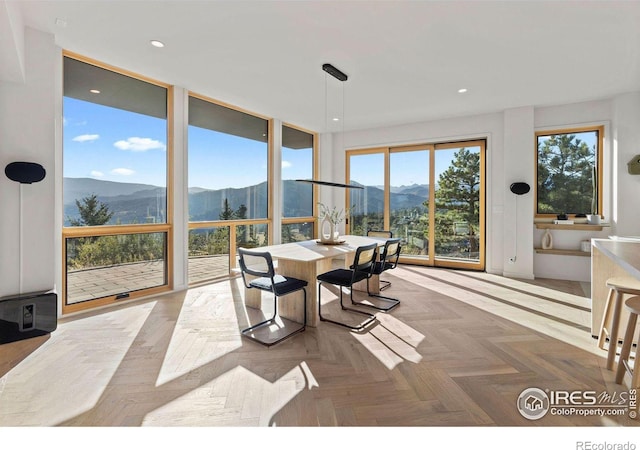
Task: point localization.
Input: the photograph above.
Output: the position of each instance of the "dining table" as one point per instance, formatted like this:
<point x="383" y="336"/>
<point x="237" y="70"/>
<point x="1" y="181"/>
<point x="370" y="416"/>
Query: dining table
<point x="306" y="260"/>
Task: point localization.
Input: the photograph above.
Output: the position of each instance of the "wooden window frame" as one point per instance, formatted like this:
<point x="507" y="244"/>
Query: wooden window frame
<point x="104" y="230"/>
<point x="314" y="159"/>
<point x="599" y="163"/>
<point x="232" y="224"/>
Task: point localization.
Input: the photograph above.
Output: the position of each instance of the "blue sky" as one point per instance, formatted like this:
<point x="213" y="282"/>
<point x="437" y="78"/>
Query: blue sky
<point x="111" y="144"/>
<point x="406" y="168"/>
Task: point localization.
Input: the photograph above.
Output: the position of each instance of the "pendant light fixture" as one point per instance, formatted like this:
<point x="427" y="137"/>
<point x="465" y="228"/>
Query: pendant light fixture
<point x="340" y="76"/>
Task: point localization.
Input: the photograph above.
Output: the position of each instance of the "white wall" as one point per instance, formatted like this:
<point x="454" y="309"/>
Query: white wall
<point x="518" y="218"/>
<point x="626" y="144"/>
<point x="28" y="133"/>
<point x="510" y="158"/>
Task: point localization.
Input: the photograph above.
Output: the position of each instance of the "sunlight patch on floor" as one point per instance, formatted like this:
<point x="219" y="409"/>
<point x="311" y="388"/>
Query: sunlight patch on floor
<point x="219" y="402"/>
<point x="206" y="329"/>
<point x="391" y="341"/>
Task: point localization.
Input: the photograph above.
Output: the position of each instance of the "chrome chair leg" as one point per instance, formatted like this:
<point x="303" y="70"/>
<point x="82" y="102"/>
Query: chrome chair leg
<point x="360" y="327"/>
<point x="247" y="331"/>
<point x="393" y="302"/>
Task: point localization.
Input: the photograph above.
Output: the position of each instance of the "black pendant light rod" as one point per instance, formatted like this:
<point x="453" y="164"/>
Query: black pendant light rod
<point x="334" y="72"/>
<point x="328" y="183"/>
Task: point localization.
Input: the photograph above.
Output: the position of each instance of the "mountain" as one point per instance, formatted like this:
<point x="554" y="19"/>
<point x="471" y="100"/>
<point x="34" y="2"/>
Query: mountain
<point x="142" y="203"/>
<point x="77" y="188"/>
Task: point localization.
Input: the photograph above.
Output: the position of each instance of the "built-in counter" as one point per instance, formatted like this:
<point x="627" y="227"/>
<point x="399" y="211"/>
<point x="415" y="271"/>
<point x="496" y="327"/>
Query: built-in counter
<point x="610" y="258"/>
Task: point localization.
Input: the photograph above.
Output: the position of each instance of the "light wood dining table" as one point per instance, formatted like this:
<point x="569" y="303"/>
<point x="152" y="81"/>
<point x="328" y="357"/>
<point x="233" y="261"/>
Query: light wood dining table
<point x="306" y="260"/>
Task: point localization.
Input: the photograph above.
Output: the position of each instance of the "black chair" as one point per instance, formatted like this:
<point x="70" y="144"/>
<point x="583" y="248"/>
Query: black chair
<point x="388" y="260"/>
<point x="381" y="234"/>
<point x="260" y="264"/>
<point x="362" y="269"/>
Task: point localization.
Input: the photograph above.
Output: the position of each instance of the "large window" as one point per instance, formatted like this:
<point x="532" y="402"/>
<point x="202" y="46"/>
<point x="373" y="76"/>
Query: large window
<point x="298" y="199"/>
<point x="430" y="196"/>
<point x="229" y="186"/>
<point x="569" y="171"/>
<point x="115" y="163"/>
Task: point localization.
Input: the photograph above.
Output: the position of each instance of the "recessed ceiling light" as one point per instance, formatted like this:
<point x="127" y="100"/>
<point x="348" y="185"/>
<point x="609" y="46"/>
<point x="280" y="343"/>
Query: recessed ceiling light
<point x="157" y="44"/>
<point x="335" y="119"/>
<point x="94" y="91"/>
<point x="462" y="91"/>
<point x="61" y="22"/>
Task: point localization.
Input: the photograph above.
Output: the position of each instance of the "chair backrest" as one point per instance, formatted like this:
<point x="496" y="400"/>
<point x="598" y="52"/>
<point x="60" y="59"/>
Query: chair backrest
<point x="380" y="233"/>
<point x="365" y="258"/>
<point x="391" y="252"/>
<point x="257" y="264"/>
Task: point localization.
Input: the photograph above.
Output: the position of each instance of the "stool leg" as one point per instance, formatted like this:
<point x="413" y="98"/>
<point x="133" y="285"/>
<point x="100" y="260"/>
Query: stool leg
<point x="606" y="320"/>
<point x="635" y="378"/>
<point x="613" y="335"/>
<point x="626" y="349"/>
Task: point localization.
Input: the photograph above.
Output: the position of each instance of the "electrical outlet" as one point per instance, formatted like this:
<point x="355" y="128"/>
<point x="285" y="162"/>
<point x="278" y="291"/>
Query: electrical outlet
<point x="512" y="260"/>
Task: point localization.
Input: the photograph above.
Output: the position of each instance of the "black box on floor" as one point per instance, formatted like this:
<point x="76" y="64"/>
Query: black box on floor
<point x="28" y="315"/>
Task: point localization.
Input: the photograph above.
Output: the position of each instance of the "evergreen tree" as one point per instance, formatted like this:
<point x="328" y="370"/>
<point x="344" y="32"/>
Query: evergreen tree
<point x="458" y="200"/>
<point x="226" y="213"/>
<point x="565" y="172"/>
<point x="92" y="212"/>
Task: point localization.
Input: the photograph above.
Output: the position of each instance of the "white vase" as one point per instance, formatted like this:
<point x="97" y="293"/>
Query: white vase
<point x="328" y="232"/>
<point x="547" y="240"/>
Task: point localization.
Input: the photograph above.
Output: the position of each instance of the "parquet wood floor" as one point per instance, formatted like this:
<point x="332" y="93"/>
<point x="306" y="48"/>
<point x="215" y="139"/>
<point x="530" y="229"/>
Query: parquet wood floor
<point x="458" y="351"/>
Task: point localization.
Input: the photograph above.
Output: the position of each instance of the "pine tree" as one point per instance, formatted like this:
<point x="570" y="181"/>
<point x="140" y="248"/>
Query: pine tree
<point x="92" y="211"/>
<point x="565" y="175"/>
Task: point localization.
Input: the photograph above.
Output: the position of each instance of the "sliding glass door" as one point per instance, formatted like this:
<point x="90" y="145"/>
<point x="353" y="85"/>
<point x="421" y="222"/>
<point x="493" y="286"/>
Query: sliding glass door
<point x="458" y="203"/>
<point x="366" y="205"/>
<point x="431" y="196"/>
<point x="409" y="200"/>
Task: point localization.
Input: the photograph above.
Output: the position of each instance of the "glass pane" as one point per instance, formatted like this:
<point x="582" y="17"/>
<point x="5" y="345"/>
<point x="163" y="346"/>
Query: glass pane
<point x="103" y="266"/>
<point x="409" y="204"/>
<point x="208" y="253"/>
<point x="367" y="205"/>
<point x="295" y="232"/>
<point x="228" y="163"/>
<point x="251" y="236"/>
<point x="567" y="173"/>
<point x="457" y="214"/>
<point x="115" y="152"/>
<point x="297" y="163"/>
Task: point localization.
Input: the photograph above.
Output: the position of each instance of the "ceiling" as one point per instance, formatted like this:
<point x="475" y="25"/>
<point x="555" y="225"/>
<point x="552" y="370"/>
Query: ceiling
<point x="405" y="60"/>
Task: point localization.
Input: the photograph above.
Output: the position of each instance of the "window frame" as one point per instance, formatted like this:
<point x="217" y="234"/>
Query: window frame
<point x="432" y="148"/>
<point x="104" y="230"/>
<point x="600" y="129"/>
<point x="314" y="159"/>
<point x="233" y="224"/>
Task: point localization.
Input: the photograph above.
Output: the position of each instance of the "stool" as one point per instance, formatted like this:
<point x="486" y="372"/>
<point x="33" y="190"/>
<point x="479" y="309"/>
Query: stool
<point x="633" y="305"/>
<point x="618" y="287"/>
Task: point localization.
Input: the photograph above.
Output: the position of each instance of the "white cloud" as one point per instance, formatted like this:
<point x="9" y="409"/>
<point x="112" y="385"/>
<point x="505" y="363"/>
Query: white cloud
<point x="96" y="173"/>
<point x="123" y="171"/>
<point x="138" y="144"/>
<point x="86" y="137"/>
<point x="286" y="164"/>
